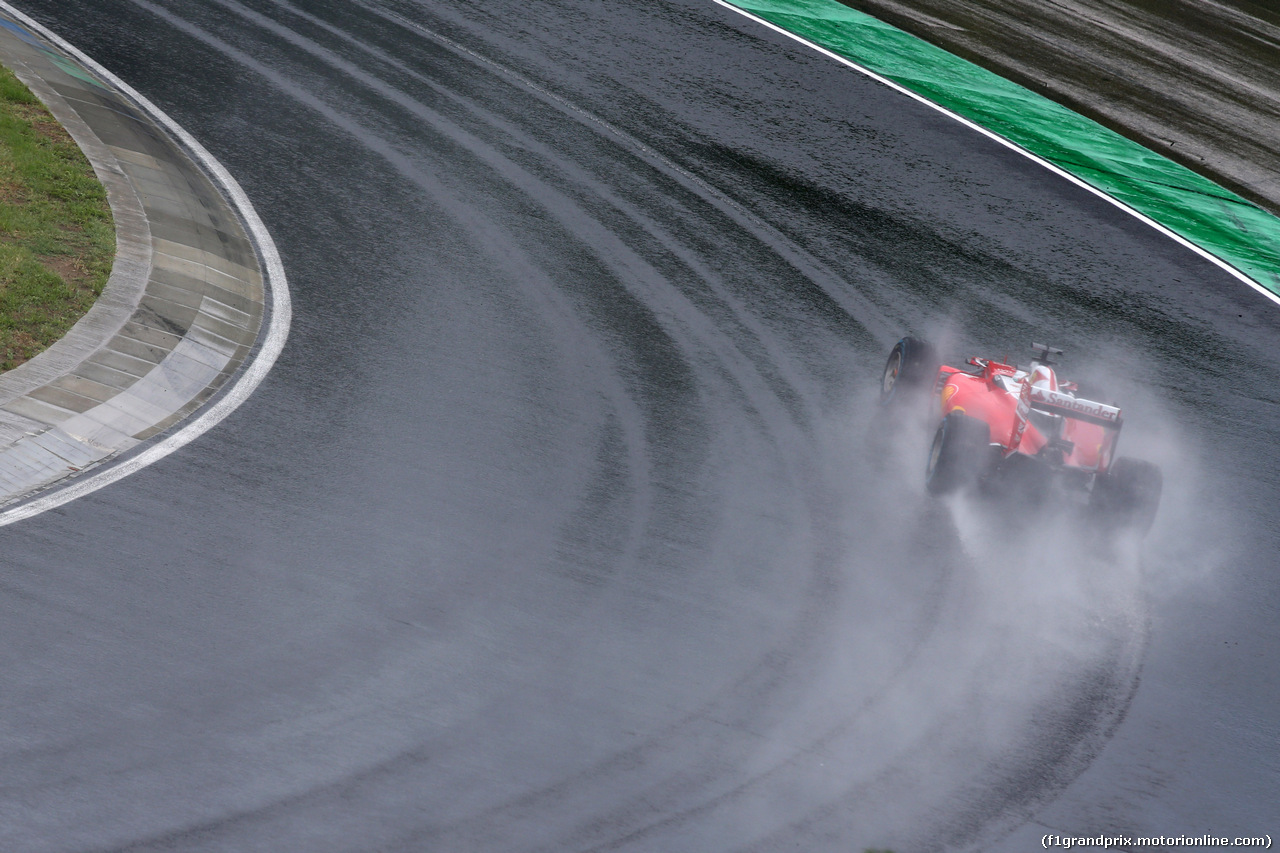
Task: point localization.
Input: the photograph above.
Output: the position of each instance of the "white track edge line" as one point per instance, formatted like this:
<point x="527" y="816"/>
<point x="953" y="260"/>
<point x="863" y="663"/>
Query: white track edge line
<point x="272" y="342"/>
<point x="1013" y="146"/>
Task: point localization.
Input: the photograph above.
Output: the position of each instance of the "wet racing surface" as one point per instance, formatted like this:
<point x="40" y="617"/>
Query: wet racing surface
<point x="566" y="520"/>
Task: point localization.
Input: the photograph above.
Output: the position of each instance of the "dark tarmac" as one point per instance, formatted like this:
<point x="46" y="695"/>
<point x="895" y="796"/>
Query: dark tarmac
<point x="565" y="522"/>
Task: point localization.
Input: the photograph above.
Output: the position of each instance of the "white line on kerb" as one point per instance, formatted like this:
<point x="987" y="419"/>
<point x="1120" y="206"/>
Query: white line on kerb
<point x="1204" y="253"/>
<point x="280" y="313"/>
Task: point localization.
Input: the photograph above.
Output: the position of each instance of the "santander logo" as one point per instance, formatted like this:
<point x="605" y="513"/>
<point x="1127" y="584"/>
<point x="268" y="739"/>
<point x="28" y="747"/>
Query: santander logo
<point x="1058" y="400"/>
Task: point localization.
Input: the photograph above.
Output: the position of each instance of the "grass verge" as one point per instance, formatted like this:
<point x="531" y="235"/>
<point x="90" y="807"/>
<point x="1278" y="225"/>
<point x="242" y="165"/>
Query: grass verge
<point x="57" y="238"/>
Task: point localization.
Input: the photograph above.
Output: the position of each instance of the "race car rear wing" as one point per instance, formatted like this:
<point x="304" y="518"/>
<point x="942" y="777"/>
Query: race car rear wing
<point x="1057" y="403"/>
<point x="1073" y="447"/>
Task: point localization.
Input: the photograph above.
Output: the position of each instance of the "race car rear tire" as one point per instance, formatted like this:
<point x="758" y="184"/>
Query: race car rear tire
<point x="909" y="371"/>
<point x="960" y="453"/>
<point x="1128" y="495"/>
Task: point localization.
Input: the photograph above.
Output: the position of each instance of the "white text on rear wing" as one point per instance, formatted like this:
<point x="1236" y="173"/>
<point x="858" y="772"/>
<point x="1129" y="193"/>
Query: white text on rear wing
<point x="1057" y="403"/>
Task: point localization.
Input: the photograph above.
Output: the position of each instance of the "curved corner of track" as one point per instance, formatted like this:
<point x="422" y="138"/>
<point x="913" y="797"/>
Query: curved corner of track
<point x="188" y="325"/>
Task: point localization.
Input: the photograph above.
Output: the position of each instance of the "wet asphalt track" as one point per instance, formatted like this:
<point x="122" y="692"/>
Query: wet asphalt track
<point x="557" y="525"/>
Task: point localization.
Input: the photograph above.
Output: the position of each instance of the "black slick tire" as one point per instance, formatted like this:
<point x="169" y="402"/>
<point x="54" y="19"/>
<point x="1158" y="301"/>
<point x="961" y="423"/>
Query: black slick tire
<point x="909" y="371"/>
<point x="960" y="452"/>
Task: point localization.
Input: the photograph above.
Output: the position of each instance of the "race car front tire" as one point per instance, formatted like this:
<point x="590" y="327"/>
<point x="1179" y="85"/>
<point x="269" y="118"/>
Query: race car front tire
<point x="961" y="449"/>
<point x="909" y="371"/>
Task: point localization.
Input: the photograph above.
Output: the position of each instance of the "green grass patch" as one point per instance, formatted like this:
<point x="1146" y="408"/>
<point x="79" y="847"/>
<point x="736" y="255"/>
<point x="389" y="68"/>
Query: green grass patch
<point x="57" y="238"/>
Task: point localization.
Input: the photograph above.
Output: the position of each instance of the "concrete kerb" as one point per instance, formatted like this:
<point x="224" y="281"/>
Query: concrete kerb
<point x="192" y="317"/>
<point x="132" y="262"/>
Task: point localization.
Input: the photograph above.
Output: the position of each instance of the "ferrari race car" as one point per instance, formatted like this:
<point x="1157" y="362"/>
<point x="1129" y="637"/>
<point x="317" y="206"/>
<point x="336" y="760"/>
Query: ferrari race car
<point x="1022" y="434"/>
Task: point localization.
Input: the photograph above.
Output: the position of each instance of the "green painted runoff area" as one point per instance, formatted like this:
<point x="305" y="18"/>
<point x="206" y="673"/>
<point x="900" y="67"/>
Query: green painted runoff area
<point x="1215" y="219"/>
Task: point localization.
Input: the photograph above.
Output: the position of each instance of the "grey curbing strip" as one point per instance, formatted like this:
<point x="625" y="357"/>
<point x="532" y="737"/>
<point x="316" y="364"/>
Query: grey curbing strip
<point x="198" y="314"/>
<point x="132" y="263"/>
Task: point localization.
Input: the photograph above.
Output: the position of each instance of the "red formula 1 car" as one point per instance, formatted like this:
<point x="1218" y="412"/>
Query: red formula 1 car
<point x="1021" y="433"/>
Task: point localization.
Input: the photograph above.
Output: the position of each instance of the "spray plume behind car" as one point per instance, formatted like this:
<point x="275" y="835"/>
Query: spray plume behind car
<point x="1020" y="434"/>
